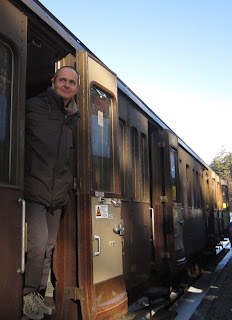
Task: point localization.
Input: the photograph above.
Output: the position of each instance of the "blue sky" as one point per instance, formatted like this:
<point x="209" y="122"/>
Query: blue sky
<point x="174" y="54"/>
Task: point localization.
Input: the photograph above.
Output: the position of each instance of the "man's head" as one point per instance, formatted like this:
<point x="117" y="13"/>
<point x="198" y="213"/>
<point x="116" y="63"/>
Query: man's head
<point x="65" y="83"/>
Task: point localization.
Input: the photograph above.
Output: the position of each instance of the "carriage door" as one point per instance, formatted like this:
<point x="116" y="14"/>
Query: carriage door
<point x="104" y="213"/>
<point x="12" y="205"/>
<point x="178" y="221"/>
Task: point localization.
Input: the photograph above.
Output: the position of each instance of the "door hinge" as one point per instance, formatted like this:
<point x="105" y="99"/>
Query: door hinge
<point x="74" y="293"/>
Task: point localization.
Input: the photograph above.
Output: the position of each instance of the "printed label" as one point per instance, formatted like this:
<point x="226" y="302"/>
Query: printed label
<point x="101" y="211"/>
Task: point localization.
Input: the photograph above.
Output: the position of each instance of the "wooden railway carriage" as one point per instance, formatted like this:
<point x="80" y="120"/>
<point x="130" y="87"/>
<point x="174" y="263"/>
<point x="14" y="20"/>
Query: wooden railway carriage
<point x="139" y="193"/>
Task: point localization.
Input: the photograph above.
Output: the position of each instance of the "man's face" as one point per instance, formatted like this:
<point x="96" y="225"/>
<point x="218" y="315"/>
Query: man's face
<point x="65" y="84"/>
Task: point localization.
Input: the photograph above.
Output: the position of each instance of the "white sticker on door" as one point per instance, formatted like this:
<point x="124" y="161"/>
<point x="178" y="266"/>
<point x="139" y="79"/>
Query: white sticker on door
<point x="101" y="211"/>
<point x="100" y="118"/>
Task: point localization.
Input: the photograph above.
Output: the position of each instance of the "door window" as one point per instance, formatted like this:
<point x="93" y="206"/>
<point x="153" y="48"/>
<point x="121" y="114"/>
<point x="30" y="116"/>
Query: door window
<point x="188" y="182"/>
<point x="135" y="164"/>
<point x="6" y="71"/>
<point x="102" y="141"/>
<point x="173" y="160"/>
<point x="144" y="168"/>
<point x="224" y="196"/>
<point x="122" y="159"/>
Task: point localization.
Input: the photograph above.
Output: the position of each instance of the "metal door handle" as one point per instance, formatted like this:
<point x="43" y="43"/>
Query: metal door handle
<point x="120" y="229"/>
<point x="152" y="223"/>
<point x="23" y="203"/>
<point x="97" y="253"/>
<point x="182" y="222"/>
<point x="116" y="203"/>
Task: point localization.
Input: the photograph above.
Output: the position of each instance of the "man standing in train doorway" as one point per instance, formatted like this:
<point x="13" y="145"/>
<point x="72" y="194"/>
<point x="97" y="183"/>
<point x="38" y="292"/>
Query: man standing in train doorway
<point x="48" y="180"/>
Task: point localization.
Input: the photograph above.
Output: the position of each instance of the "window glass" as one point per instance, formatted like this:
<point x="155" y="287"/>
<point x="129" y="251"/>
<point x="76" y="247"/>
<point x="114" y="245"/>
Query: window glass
<point x="188" y="181"/>
<point x="200" y="193"/>
<point x="122" y="158"/>
<point x="144" y="168"/>
<point x="197" y="184"/>
<point x="206" y="196"/>
<point x="135" y="164"/>
<point x="214" y="192"/>
<point x="194" y="189"/>
<point x="181" y="179"/>
<point x="6" y="69"/>
<point x="173" y="173"/>
<point x="102" y="141"/>
<point x="224" y="196"/>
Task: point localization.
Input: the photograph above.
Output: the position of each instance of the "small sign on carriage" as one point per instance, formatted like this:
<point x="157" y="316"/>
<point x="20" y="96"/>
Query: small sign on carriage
<point x="101" y="211"/>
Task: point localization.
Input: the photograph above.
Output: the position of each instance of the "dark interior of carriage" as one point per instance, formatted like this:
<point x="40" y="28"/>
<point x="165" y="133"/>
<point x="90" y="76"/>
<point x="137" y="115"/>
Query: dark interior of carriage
<point x="45" y="48"/>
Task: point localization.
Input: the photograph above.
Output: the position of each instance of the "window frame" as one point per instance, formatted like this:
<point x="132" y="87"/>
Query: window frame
<point x="10" y="177"/>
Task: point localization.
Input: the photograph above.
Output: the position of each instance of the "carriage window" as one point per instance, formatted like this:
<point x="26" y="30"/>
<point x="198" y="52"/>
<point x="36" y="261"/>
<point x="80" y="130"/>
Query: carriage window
<point x="144" y="168"/>
<point x="6" y="71"/>
<point x="206" y="192"/>
<point x="181" y="179"/>
<point x="214" y="192"/>
<point x="122" y="158"/>
<point x="224" y="196"/>
<point x="194" y="189"/>
<point x="200" y="192"/>
<point x="102" y="141"/>
<point x="173" y="160"/>
<point x="188" y="182"/>
<point x="135" y="164"/>
<point x="197" y="190"/>
<point x="218" y="193"/>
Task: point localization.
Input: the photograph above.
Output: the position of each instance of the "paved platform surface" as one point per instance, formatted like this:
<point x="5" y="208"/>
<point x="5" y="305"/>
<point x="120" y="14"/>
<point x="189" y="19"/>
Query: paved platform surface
<point x="210" y="298"/>
<point x="217" y="303"/>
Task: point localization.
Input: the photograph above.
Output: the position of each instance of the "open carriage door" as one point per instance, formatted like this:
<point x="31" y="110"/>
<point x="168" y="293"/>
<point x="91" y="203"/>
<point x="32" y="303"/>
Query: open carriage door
<point x="67" y="293"/>
<point x="12" y="208"/>
<point x="100" y="228"/>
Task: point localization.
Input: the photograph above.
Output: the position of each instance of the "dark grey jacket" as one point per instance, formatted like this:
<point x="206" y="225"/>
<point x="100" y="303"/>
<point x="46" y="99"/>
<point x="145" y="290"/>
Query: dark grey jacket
<point x="48" y="140"/>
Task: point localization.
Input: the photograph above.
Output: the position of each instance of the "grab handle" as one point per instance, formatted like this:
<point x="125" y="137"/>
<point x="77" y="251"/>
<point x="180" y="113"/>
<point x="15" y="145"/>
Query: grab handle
<point x="23" y="203"/>
<point x="152" y="223"/>
<point x="97" y="253"/>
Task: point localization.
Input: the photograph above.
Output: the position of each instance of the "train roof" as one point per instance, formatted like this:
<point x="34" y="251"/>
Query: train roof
<point x="44" y="14"/>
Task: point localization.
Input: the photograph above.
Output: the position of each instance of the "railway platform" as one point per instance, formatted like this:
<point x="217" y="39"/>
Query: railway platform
<point x="210" y="297"/>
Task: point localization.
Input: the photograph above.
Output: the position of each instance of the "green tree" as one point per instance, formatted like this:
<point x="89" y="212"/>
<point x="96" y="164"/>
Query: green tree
<point x="222" y="164"/>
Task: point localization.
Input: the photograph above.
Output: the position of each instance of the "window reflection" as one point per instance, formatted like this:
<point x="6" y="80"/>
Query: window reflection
<point x="135" y="165"/>
<point x="102" y="141"/>
<point x="122" y="159"/>
<point x="6" y="68"/>
<point x="144" y="168"/>
<point x="173" y="174"/>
